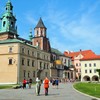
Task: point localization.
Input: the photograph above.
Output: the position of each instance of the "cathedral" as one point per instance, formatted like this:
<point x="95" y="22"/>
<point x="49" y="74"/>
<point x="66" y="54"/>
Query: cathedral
<point x="21" y="58"/>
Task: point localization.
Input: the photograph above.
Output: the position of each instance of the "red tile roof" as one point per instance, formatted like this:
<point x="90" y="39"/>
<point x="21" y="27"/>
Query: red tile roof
<point x="85" y="53"/>
<point x="91" y="57"/>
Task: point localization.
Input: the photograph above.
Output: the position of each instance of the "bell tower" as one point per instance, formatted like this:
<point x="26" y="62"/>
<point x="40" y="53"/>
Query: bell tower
<point x="8" y="23"/>
<point x="40" y="40"/>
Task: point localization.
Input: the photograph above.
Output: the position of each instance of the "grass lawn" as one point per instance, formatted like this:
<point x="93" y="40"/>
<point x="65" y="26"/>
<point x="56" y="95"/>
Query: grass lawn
<point x="10" y="86"/>
<point x="6" y="86"/>
<point x="92" y="89"/>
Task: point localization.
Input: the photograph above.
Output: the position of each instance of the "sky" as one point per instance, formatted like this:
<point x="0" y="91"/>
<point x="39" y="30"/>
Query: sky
<point x="71" y="24"/>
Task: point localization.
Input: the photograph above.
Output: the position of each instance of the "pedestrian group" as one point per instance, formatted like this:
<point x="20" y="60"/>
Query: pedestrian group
<point x="46" y="82"/>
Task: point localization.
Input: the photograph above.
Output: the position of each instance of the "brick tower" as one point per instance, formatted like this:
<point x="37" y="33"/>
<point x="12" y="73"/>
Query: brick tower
<point x="40" y="40"/>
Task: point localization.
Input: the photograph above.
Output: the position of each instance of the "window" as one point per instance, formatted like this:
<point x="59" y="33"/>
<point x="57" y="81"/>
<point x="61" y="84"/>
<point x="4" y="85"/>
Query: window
<point x="80" y="64"/>
<point x="10" y="61"/>
<point x="89" y="65"/>
<point x="23" y="50"/>
<point x="76" y="64"/>
<point x="11" y="8"/>
<point x="33" y="54"/>
<point x="90" y="71"/>
<point x="12" y="24"/>
<point x="40" y="65"/>
<point x="28" y="52"/>
<point x="47" y="66"/>
<point x="4" y="23"/>
<point x="33" y="63"/>
<point x="94" y="64"/>
<point x="85" y="71"/>
<point x="24" y="72"/>
<point x="46" y="74"/>
<point x="68" y="62"/>
<point x="23" y="61"/>
<point x="37" y="32"/>
<point x="33" y="73"/>
<point x="38" y="55"/>
<point x="65" y="60"/>
<point x="28" y="74"/>
<point x="44" y="56"/>
<point x="28" y="62"/>
<point x="10" y="50"/>
<point x="94" y="70"/>
<point x="41" y="32"/>
<point x="85" y="65"/>
<point x="76" y="70"/>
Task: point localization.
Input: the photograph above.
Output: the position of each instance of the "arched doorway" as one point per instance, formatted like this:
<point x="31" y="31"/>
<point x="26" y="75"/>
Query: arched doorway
<point x="95" y="78"/>
<point x="86" y="78"/>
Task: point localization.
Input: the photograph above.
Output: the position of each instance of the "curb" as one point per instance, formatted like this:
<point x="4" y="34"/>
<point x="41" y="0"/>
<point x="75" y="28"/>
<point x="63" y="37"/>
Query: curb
<point x="94" y="98"/>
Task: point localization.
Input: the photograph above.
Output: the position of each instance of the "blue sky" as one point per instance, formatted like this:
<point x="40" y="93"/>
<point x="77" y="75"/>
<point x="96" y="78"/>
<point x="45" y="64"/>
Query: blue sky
<point x="71" y="24"/>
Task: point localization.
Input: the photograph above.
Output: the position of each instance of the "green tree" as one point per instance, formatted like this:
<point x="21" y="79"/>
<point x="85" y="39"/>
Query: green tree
<point x="98" y="70"/>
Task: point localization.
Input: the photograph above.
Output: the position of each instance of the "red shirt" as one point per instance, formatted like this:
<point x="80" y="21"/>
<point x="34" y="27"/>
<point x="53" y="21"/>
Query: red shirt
<point x="46" y="83"/>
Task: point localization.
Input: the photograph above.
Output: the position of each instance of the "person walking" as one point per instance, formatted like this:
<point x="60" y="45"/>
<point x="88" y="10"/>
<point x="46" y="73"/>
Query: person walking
<point x="24" y="83"/>
<point x="46" y="85"/>
<point x="57" y="82"/>
<point x="27" y="84"/>
<point x="30" y="83"/>
<point x="38" y="86"/>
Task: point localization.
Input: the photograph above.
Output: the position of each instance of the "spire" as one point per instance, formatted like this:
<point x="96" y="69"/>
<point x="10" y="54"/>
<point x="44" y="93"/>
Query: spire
<point x="8" y="20"/>
<point x="30" y="35"/>
<point x="40" y="24"/>
<point x="9" y="7"/>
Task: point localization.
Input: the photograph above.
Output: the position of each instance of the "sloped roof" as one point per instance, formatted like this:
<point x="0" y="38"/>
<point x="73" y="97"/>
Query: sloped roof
<point x="84" y="53"/>
<point x="15" y="41"/>
<point x="10" y="41"/>
<point x="90" y="57"/>
<point x="53" y="50"/>
<point x="40" y="24"/>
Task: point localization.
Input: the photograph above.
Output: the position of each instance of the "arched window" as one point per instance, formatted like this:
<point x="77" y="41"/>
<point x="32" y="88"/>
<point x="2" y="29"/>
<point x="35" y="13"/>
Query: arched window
<point x="4" y="23"/>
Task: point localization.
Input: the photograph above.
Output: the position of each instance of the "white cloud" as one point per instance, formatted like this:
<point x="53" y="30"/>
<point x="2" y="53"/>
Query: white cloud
<point x="82" y="31"/>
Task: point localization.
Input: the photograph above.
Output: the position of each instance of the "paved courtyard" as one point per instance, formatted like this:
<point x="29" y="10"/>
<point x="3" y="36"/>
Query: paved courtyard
<point x="64" y="92"/>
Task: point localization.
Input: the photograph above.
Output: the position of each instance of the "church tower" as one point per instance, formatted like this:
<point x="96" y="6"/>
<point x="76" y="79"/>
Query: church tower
<point x="8" y="29"/>
<point x="40" y="40"/>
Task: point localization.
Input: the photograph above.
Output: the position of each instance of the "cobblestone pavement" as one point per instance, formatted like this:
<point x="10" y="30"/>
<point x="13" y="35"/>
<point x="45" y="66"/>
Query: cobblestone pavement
<point x="64" y="92"/>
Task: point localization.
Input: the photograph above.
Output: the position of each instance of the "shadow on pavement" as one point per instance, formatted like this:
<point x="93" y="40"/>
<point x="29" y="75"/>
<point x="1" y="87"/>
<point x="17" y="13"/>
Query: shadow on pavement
<point x="50" y="94"/>
<point x="94" y="99"/>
